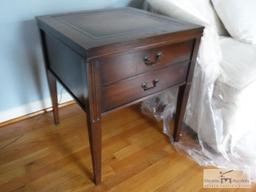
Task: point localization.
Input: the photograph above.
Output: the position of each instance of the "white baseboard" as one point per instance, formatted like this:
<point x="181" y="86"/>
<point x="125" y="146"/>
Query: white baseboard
<point x="31" y="108"/>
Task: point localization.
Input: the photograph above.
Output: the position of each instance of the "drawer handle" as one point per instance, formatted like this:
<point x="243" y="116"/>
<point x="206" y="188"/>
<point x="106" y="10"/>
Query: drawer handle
<point x="148" y="61"/>
<point x="146" y="86"/>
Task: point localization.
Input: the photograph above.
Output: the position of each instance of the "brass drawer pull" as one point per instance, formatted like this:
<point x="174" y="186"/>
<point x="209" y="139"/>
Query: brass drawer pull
<point x="148" y="61"/>
<point x="146" y="86"/>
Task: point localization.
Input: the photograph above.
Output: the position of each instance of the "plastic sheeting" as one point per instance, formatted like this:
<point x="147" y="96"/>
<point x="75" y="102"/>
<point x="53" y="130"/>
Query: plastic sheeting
<point x="222" y="116"/>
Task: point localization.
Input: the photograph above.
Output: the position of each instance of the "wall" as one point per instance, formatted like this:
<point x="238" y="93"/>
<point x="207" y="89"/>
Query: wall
<point x="23" y="83"/>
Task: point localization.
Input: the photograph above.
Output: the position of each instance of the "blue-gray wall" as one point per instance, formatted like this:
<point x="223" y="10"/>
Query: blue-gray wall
<point x="22" y="77"/>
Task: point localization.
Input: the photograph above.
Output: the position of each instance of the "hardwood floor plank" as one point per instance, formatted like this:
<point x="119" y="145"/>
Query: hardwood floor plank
<point x="36" y="155"/>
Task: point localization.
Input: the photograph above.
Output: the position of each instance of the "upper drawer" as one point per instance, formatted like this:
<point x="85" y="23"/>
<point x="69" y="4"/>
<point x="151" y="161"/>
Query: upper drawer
<point x="120" y="66"/>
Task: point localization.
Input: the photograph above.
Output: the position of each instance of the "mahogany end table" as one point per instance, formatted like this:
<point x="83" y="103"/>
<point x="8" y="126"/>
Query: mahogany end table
<point x="108" y="59"/>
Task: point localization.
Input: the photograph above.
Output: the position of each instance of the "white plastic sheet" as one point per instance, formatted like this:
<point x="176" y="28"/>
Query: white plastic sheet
<point x="222" y="116"/>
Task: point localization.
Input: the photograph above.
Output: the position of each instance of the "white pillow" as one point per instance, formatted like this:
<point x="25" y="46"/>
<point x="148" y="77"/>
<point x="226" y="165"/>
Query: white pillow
<point x="239" y="18"/>
<point x="195" y="11"/>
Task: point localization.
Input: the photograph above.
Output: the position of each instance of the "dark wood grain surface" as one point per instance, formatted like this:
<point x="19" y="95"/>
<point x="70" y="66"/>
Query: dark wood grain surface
<point x="120" y="66"/>
<point x="130" y="89"/>
<point x="91" y="32"/>
<point x="109" y="59"/>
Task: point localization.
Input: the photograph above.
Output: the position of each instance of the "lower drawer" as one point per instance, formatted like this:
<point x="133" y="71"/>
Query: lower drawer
<point x="131" y="89"/>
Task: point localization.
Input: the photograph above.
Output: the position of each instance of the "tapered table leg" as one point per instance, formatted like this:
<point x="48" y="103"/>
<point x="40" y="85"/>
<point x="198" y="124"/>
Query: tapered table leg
<point x="94" y="129"/>
<point x="94" y="118"/>
<point x="54" y="96"/>
<point x="51" y="79"/>
<point x="180" y="110"/>
<point x="183" y="94"/>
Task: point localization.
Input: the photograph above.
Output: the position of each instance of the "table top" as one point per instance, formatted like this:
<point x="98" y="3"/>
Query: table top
<point x="90" y="29"/>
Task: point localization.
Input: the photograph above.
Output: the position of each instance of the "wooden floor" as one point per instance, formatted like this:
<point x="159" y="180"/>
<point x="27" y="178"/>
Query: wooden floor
<point x="35" y="155"/>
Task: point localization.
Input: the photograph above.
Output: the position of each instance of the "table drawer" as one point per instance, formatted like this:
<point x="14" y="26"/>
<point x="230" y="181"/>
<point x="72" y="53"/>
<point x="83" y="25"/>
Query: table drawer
<point x="120" y="66"/>
<point x="131" y="89"/>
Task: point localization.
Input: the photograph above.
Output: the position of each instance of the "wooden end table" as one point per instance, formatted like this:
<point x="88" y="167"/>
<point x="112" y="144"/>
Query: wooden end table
<point x="108" y="59"/>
